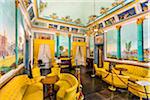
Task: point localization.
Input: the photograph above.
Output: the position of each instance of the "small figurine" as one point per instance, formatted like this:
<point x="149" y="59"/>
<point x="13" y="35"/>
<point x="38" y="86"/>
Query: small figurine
<point x="67" y="19"/>
<point x="54" y="16"/>
<point x="92" y="18"/>
<point x="78" y="21"/>
<point x="103" y="10"/>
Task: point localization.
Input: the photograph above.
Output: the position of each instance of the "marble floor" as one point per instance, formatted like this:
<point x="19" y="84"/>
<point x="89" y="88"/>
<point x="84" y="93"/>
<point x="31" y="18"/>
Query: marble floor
<point x="96" y="89"/>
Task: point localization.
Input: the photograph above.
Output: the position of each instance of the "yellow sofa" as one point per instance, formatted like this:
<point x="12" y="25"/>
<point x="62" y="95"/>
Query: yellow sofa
<point x="135" y="72"/>
<point x="120" y="81"/>
<point x="67" y="87"/>
<point x="22" y="88"/>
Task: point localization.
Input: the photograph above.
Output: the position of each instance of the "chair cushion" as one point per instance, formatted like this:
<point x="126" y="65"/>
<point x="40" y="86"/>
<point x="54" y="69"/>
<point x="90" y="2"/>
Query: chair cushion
<point x="34" y="92"/>
<point x="15" y="88"/>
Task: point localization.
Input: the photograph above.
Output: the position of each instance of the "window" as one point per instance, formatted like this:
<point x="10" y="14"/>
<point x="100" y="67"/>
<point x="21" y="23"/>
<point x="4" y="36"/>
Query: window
<point x="146" y="39"/>
<point x="129" y="42"/>
<point x="111" y="44"/>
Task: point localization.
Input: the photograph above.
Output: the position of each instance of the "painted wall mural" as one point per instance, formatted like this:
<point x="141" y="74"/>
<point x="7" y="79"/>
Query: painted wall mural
<point x="31" y="13"/>
<point x="111" y="44"/>
<point x="7" y="36"/>
<point x="101" y="25"/>
<point x="129" y="41"/>
<point x="21" y="37"/>
<point x="127" y="14"/>
<point x="92" y="45"/>
<point x="110" y="21"/>
<point x="144" y="6"/>
<point x="99" y="40"/>
<point x="146" y="37"/>
<point x="63" y="44"/>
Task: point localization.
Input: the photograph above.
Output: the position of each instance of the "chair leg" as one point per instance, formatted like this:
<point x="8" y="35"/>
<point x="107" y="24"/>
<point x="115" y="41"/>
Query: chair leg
<point x="141" y="98"/>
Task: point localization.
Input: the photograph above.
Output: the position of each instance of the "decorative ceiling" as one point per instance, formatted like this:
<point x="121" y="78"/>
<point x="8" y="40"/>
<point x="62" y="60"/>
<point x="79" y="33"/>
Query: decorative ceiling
<point x="77" y="12"/>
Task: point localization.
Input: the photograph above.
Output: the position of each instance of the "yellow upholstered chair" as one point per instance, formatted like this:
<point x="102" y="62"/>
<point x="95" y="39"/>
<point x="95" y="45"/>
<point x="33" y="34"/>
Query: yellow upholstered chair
<point x="67" y="87"/>
<point x="36" y="74"/>
<point x="54" y="71"/>
<point x="20" y="88"/>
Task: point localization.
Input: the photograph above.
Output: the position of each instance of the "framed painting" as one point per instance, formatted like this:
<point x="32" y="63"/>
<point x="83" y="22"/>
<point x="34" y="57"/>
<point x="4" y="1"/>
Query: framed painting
<point x="99" y="39"/>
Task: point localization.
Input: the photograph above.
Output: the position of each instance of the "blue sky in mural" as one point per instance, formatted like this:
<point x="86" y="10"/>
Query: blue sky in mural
<point x="146" y="31"/>
<point x="92" y="43"/>
<point x="112" y="42"/>
<point x="64" y="41"/>
<point x="7" y="16"/>
<point x="129" y="33"/>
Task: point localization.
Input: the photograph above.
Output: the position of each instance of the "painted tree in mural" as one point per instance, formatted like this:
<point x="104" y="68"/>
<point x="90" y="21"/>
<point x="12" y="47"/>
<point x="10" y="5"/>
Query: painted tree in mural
<point x="128" y="48"/>
<point x="61" y="48"/>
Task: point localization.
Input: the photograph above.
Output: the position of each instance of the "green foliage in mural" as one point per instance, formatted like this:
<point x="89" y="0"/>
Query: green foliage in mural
<point x="128" y="46"/>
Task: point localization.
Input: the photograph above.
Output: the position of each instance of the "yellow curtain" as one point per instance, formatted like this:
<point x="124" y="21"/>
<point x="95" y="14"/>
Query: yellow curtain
<point x="75" y="46"/>
<point x="38" y="42"/>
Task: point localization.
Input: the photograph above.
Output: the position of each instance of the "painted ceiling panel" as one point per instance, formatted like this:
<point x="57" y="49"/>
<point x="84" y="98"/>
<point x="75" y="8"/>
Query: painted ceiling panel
<point x="73" y="9"/>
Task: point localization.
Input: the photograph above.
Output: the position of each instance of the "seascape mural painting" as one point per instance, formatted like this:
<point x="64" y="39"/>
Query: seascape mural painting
<point x="21" y="37"/>
<point x="63" y="44"/>
<point x="146" y="37"/>
<point x="7" y="35"/>
<point x="92" y="45"/>
<point x="129" y="42"/>
<point x="111" y="44"/>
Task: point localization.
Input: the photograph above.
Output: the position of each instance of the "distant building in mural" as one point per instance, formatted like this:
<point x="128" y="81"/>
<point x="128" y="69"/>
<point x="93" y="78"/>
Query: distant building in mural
<point x="3" y="45"/>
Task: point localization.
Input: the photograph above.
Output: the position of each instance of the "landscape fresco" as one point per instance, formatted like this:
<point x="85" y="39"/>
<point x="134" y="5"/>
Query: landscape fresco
<point x="129" y="41"/>
<point x="91" y="45"/>
<point x="21" y="37"/>
<point x="63" y="43"/>
<point x="111" y="44"/>
<point x="7" y="36"/>
<point x="146" y="37"/>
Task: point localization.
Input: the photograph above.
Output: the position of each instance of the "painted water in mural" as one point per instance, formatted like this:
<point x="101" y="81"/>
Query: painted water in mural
<point x="111" y="44"/>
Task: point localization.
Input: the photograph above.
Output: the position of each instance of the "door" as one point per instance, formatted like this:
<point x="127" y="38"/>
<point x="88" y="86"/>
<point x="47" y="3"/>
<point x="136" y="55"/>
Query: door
<point x="101" y="56"/>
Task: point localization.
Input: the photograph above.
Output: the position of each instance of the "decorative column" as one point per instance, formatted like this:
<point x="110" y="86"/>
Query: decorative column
<point x="57" y="47"/>
<point x="140" y="39"/>
<point x="16" y="29"/>
<point x="69" y="45"/>
<point x="118" y="42"/>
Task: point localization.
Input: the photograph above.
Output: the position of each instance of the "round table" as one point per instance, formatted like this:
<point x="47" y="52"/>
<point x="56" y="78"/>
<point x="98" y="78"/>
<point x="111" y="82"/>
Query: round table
<point x="48" y="85"/>
<point x="121" y="69"/>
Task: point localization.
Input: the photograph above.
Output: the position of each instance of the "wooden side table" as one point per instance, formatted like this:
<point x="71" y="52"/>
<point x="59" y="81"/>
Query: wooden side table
<point x="121" y="69"/>
<point x="48" y="85"/>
